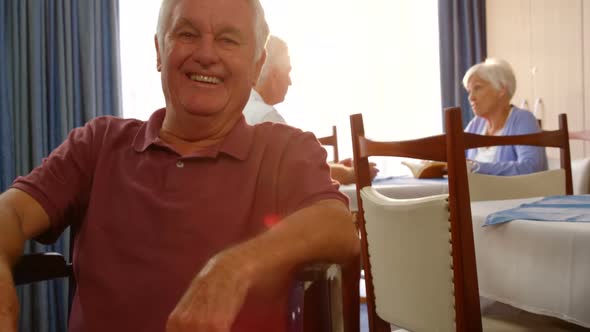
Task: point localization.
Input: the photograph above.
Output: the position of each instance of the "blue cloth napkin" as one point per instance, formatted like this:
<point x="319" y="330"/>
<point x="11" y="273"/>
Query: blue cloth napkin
<point x="551" y="208"/>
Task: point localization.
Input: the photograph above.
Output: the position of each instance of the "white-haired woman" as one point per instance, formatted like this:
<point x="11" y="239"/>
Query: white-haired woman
<point x="491" y="85"/>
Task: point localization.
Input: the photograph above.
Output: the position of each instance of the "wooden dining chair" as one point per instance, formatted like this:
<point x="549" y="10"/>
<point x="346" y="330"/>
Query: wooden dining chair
<point x="331" y="140"/>
<point x="544" y="183"/>
<point x="418" y="253"/>
<point x="402" y="279"/>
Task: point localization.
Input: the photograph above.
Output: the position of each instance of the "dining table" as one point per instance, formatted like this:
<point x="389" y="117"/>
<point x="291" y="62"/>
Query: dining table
<point x="538" y="266"/>
<point x="541" y="267"/>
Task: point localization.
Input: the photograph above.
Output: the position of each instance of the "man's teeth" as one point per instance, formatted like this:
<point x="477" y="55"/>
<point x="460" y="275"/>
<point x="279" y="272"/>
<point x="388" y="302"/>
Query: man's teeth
<point x="205" y="79"/>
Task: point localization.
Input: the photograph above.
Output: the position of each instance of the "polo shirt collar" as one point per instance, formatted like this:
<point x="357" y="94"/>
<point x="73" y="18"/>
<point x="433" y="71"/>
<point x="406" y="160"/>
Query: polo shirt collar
<point x="149" y="131"/>
<point x="236" y="144"/>
<point x="254" y="95"/>
<point x="239" y="140"/>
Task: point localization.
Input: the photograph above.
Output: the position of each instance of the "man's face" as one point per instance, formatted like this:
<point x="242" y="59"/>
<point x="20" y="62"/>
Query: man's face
<point x="281" y="78"/>
<point x="284" y="78"/>
<point x="208" y="58"/>
<point x="483" y="97"/>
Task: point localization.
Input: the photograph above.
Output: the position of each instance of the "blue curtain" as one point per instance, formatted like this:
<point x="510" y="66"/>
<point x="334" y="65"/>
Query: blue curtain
<point x="59" y="67"/>
<point x="462" y="29"/>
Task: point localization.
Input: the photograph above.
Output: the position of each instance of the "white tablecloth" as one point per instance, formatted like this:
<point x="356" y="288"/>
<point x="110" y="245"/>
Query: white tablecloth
<point x="541" y="267"/>
<point x="400" y="187"/>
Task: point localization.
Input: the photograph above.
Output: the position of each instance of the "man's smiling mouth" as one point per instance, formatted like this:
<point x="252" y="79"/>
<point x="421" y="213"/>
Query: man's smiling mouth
<point x="204" y="79"/>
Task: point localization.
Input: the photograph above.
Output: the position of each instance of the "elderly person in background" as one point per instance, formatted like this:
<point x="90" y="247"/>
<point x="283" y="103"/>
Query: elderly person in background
<point x="180" y="228"/>
<point x="272" y="85"/>
<point x="271" y="89"/>
<point x="491" y="85"/>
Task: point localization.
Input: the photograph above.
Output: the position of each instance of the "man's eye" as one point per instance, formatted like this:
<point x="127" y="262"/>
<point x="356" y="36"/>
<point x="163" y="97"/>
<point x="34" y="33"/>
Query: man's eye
<point x="186" y="34"/>
<point x="229" y="41"/>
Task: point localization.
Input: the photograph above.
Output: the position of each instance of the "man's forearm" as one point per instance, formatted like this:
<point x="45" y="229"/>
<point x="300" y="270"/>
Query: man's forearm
<point x="11" y="247"/>
<point x="323" y="232"/>
<point x="12" y="241"/>
<point x="21" y="218"/>
<point x="12" y="238"/>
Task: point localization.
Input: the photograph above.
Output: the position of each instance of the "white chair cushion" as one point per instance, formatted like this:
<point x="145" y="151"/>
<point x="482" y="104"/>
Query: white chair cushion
<point x="408" y="241"/>
<point x="483" y="187"/>
<point x="580" y="174"/>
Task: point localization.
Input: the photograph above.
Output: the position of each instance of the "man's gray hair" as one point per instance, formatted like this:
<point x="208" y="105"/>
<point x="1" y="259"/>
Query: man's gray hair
<point x="276" y="51"/>
<point x="497" y="72"/>
<point x="261" y="30"/>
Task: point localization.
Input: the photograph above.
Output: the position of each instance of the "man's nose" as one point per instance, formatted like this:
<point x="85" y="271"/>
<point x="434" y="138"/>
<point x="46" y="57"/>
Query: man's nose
<point x="205" y="52"/>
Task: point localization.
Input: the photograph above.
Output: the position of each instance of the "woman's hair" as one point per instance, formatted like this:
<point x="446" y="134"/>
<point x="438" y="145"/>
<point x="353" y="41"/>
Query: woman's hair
<point x="497" y="72"/>
<point x="261" y="30"/>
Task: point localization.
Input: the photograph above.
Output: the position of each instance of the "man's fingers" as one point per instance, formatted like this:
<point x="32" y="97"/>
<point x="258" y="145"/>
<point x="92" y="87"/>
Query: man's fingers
<point x="346" y="162"/>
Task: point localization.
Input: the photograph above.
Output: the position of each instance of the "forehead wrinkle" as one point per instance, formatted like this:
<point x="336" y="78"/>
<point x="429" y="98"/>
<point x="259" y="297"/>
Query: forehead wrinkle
<point x="182" y="21"/>
<point x="214" y="28"/>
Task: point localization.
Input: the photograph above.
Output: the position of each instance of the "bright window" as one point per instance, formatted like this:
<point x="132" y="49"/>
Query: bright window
<point x="376" y="57"/>
<point x="142" y="92"/>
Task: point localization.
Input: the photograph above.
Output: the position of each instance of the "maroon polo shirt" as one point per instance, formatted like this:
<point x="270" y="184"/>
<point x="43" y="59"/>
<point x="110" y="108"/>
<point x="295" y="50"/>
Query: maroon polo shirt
<point x="150" y="218"/>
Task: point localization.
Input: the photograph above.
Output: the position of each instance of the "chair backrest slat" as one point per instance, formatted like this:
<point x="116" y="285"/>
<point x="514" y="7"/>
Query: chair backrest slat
<point x="432" y="148"/>
<point x="331" y="140"/>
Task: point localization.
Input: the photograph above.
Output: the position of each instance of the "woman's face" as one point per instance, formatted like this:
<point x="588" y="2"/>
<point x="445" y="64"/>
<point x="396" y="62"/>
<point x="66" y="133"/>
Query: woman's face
<point x="485" y="100"/>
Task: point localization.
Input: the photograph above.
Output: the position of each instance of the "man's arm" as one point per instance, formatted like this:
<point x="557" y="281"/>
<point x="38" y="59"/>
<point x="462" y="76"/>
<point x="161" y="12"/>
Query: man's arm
<point x="21" y="218"/>
<point x="323" y="232"/>
<point x="343" y="172"/>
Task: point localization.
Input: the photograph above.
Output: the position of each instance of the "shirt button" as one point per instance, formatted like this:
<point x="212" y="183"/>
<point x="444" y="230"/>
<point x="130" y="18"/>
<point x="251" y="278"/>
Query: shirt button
<point x="179" y="164"/>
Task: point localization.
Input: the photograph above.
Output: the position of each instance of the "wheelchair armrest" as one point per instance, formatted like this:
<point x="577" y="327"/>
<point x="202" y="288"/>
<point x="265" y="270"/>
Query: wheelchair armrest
<point x="314" y="272"/>
<point x="42" y="266"/>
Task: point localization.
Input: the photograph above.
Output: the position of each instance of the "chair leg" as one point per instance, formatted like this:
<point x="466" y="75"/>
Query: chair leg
<point x="351" y="307"/>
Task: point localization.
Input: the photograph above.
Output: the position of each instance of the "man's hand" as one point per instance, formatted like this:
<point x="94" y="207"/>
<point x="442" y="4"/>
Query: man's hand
<point x="214" y="298"/>
<point x="348" y="163"/>
<point x="8" y="300"/>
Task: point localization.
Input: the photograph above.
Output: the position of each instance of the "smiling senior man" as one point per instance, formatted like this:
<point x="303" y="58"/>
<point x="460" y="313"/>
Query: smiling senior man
<point x="206" y="218"/>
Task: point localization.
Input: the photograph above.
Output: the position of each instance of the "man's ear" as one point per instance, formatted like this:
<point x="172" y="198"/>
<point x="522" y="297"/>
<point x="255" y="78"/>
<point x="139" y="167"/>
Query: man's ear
<point x="158" y="59"/>
<point x="258" y="69"/>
